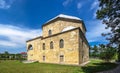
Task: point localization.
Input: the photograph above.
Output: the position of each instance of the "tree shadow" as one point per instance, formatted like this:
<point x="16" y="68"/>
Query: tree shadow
<point x="98" y="67"/>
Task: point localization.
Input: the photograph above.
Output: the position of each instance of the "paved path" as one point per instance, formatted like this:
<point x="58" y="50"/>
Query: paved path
<point x="116" y="70"/>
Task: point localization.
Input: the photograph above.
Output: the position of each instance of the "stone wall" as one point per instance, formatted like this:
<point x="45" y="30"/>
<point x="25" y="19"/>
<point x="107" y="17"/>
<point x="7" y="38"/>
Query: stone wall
<point x="33" y="54"/>
<point x="58" y="25"/>
<point x="70" y="50"/>
<point x="75" y="51"/>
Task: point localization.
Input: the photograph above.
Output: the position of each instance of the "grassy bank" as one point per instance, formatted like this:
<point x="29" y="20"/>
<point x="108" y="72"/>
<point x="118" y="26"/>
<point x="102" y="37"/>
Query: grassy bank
<point x="18" y="67"/>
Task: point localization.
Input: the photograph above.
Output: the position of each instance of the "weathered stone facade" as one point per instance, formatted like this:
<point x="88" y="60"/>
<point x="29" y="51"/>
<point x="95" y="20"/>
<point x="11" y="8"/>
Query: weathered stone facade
<point x="75" y="50"/>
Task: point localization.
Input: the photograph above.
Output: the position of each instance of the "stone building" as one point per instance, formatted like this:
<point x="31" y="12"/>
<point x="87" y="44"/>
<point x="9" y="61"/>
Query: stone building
<point x="63" y="41"/>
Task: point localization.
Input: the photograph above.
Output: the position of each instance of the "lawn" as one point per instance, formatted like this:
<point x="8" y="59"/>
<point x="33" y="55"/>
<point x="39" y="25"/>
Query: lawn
<point x="18" y="67"/>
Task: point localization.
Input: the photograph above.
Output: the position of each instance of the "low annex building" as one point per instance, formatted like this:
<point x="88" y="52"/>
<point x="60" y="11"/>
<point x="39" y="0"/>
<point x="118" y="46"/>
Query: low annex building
<point x="63" y="41"/>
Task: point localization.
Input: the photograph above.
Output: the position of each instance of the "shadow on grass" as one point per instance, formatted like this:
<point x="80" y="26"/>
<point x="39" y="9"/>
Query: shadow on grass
<point x="98" y="67"/>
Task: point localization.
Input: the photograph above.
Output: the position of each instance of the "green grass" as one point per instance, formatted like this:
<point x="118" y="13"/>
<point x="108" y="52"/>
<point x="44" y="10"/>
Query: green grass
<point x="97" y="66"/>
<point x="18" y="67"/>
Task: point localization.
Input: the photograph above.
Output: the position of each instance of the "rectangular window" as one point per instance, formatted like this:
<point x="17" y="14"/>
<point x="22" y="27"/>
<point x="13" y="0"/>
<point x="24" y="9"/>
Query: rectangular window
<point x="61" y="58"/>
<point x="43" y="58"/>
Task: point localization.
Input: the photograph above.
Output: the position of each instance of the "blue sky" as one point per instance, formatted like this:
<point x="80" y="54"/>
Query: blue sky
<point x="21" y="20"/>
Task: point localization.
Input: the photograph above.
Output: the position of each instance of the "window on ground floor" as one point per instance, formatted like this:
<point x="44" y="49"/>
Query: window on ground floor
<point x="43" y="58"/>
<point x="61" y="58"/>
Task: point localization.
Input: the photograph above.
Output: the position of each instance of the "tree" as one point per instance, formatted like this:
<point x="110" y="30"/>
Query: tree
<point x="109" y="13"/>
<point x="6" y="54"/>
<point x="101" y="48"/>
<point x="94" y="51"/>
<point x="90" y="51"/>
<point x="107" y="53"/>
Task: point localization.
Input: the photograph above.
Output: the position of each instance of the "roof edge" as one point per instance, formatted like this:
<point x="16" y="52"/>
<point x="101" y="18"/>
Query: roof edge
<point x="62" y="16"/>
<point x="34" y="38"/>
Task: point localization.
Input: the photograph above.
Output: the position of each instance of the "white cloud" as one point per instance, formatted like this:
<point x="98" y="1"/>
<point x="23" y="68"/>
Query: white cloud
<point x="66" y="2"/>
<point x="94" y="5"/>
<point x="5" y="4"/>
<point x="16" y="36"/>
<point x="96" y="28"/>
<point x="79" y="5"/>
<point x="94" y="14"/>
<point x="7" y="43"/>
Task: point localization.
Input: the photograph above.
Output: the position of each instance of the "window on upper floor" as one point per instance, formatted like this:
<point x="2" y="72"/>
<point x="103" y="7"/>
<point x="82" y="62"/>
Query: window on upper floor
<point x="49" y="32"/>
<point x="30" y="47"/>
<point x="61" y="43"/>
<point x="51" y="45"/>
<point x="43" y="46"/>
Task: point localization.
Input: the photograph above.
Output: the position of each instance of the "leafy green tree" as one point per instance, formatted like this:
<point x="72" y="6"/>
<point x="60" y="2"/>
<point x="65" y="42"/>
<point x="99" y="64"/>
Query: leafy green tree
<point x="107" y="53"/>
<point x="6" y="55"/>
<point x="101" y="48"/>
<point x="109" y="13"/>
<point x="94" y="52"/>
<point x="90" y="51"/>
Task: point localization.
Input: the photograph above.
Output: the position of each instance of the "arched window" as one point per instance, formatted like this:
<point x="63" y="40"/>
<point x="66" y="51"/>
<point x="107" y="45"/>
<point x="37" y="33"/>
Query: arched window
<point x="43" y="46"/>
<point x="30" y="47"/>
<point x="61" y="43"/>
<point x="51" y="45"/>
<point x="49" y="32"/>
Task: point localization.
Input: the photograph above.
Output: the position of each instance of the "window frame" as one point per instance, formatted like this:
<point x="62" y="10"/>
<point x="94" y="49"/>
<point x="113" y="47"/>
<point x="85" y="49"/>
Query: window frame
<point x="44" y="58"/>
<point x="43" y="46"/>
<point x="29" y="47"/>
<point x="61" y="43"/>
<point x="61" y="58"/>
<point x="51" y="45"/>
<point x="50" y="32"/>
